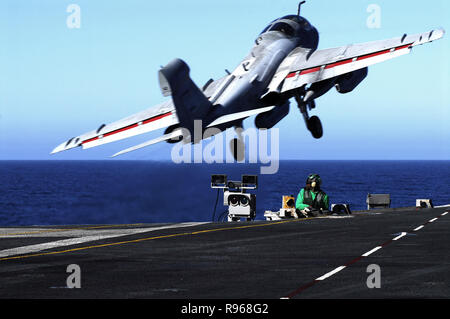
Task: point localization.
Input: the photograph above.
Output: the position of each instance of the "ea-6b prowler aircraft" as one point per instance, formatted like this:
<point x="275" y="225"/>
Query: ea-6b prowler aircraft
<point x="284" y="63"/>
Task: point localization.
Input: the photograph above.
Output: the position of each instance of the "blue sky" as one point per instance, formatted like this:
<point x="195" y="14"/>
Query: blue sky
<point x="57" y="82"/>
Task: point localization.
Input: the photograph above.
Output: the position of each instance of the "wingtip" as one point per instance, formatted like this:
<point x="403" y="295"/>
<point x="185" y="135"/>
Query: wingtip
<point x="58" y="149"/>
<point x="65" y="146"/>
<point x="438" y="33"/>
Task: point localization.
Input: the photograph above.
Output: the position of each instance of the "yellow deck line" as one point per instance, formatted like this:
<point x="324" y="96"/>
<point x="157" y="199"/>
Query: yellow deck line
<point x="149" y="238"/>
<point x="67" y="229"/>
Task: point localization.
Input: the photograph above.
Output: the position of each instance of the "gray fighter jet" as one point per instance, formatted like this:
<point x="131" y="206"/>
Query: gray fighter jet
<point x="284" y="63"/>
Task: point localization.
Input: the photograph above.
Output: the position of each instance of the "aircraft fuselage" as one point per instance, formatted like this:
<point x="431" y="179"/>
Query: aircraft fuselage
<point x="243" y="88"/>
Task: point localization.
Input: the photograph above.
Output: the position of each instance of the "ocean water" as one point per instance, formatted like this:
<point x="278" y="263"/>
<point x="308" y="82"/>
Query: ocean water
<point x="112" y="192"/>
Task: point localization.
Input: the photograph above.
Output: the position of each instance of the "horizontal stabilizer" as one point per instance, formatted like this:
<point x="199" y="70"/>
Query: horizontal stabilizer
<point x="240" y="115"/>
<point x="176" y="133"/>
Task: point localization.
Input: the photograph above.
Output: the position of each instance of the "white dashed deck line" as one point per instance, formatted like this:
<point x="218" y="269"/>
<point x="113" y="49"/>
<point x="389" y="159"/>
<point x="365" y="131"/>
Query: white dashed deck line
<point x="370" y="252"/>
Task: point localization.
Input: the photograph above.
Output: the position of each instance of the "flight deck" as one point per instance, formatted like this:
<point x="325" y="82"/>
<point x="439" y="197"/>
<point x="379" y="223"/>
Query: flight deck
<point x="325" y="257"/>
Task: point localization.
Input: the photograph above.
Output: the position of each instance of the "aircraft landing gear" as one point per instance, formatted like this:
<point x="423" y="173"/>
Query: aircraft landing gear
<point x="313" y="123"/>
<point x="237" y="145"/>
<point x="315" y="127"/>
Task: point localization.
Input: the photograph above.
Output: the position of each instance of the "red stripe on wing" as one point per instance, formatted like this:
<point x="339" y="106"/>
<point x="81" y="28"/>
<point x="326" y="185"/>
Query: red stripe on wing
<point x="346" y="61"/>
<point x="149" y="120"/>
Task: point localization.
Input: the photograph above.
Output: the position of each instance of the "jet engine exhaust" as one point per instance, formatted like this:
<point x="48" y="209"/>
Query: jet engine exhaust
<point x="269" y="119"/>
<point x="349" y="81"/>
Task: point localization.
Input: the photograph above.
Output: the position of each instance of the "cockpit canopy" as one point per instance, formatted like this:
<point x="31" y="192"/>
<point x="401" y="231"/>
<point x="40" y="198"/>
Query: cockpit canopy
<point x="291" y="25"/>
<point x="283" y="27"/>
<point x="294" y="26"/>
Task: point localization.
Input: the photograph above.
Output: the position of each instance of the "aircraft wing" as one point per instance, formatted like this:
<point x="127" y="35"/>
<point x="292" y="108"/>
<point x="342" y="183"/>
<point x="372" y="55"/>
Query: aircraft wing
<point x="305" y="67"/>
<point x="160" y="116"/>
<point x="157" y="117"/>
<point x="154" y="118"/>
<point x="178" y="133"/>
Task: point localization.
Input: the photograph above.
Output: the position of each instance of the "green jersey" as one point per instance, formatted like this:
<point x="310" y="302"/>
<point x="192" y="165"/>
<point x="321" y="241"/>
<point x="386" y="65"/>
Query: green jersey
<point x="309" y="200"/>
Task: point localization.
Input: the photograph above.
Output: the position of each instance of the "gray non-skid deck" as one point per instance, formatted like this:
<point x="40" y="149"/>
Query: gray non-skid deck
<point x="256" y="260"/>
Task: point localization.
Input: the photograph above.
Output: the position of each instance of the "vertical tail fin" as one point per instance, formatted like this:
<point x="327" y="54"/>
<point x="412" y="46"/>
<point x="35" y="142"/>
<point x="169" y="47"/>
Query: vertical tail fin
<point x="191" y="104"/>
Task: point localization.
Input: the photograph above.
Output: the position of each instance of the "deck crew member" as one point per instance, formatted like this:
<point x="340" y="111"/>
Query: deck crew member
<point x="312" y="200"/>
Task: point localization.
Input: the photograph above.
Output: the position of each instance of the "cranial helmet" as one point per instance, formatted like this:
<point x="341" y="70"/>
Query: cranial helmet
<point x="314" y="178"/>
